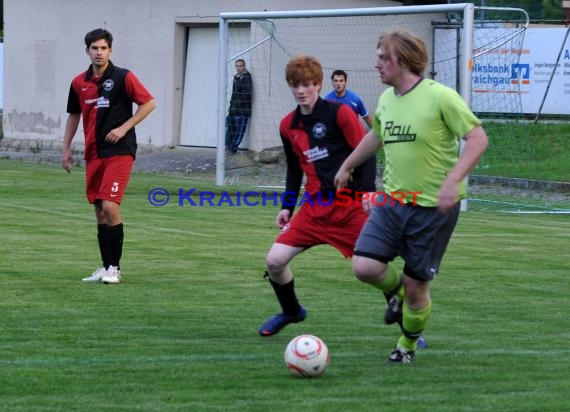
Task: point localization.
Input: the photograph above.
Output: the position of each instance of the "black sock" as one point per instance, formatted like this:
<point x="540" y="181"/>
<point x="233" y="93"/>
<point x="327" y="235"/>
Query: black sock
<point x="116" y="236"/>
<point x="103" y="239"/>
<point x="286" y="297"/>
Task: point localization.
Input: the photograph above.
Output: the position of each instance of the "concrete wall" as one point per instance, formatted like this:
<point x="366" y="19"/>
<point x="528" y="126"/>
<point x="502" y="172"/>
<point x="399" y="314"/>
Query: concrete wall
<point x="44" y="49"/>
<point x="1" y="75"/>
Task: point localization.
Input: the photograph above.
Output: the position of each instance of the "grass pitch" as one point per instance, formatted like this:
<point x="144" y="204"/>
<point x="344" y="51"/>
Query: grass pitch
<point x="180" y="334"/>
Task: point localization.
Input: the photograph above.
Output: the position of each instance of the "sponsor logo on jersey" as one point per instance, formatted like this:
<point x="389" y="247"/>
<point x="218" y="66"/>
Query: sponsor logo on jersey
<point x="396" y="133"/>
<point x="99" y="102"/>
<point x="316" y="153"/>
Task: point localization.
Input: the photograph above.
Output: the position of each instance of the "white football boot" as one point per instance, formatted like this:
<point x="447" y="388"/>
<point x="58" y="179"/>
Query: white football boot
<point x="96" y="276"/>
<point x="112" y="276"/>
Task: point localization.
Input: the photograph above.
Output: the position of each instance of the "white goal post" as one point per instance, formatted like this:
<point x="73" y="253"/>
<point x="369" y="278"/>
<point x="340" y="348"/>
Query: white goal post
<point x="341" y="39"/>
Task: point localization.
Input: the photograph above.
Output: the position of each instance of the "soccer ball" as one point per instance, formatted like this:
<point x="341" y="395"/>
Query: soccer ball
<point x="307" y="356"/>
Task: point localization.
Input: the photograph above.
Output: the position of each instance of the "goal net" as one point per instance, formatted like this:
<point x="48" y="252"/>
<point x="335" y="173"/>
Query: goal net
<point x="473" y="50"/>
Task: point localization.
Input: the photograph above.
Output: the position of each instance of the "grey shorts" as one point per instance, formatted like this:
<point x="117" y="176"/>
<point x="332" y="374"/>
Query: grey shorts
<point x="417" y="234"/>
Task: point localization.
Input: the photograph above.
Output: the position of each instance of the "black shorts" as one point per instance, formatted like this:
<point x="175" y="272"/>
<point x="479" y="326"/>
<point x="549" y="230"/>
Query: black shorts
<point x="418" y="234"/>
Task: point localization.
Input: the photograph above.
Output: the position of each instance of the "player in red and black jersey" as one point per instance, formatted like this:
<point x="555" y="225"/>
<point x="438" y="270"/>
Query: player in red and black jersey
<point x="317" y="137"/>
<point x="104" y="95"/>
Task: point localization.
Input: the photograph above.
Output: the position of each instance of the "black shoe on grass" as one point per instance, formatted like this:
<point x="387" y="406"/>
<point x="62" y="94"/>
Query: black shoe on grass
<point x="277" y="322"/>
<point x="401" y="356"/>
<point x="393" y="313"/>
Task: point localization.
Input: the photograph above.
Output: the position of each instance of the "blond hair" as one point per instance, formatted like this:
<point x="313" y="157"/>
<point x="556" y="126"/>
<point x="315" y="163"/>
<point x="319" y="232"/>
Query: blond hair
<point x="409" y="50"/>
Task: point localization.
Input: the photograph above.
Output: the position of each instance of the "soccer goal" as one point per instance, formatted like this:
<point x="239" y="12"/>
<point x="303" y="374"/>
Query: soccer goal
<point x="346" y="39"/>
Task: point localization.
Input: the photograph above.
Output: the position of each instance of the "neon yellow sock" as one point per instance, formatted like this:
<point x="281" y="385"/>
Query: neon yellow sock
<point x="414" y="322"/>
<point x="390" y="280"/>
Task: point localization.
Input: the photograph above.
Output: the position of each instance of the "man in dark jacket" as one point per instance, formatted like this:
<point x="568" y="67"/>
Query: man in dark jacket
<point x="240" y="107"/>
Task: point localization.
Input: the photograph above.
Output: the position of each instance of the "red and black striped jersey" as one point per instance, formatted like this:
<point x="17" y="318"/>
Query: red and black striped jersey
<point x="105" y="103"/>
<point x="317" y="145"/>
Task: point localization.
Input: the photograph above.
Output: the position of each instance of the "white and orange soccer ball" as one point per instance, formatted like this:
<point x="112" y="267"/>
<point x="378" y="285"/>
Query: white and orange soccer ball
<point x="307" y="356"/>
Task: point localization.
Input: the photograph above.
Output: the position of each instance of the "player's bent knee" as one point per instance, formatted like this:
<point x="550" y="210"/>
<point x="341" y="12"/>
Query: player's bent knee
<point x="367" y="269"/>
<point x="275" y="263"/>
<point x="279" y="257"/>
<point x="417" y="292"/>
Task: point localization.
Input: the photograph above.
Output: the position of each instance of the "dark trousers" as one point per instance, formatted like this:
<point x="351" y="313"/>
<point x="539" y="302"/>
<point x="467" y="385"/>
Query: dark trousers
<point x="235" y="129"/>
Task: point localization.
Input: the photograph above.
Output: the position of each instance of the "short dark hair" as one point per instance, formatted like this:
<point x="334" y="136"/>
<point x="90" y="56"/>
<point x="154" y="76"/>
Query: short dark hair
<point x="339" y="73"/>
<point x="98" y="34"/>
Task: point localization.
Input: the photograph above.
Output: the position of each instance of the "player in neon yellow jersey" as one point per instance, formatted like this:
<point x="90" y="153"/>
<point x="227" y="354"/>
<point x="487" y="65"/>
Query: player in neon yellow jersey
<point x="419" y="123"/>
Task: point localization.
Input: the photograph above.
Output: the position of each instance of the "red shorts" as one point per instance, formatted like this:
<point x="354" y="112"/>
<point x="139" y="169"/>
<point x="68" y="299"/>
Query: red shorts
<point x="107" y="178"/>
<point x="319" y="224"/>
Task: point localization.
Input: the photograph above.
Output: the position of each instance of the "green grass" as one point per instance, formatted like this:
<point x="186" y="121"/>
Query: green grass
<point x="527" y="150"/>
<point x="180" y="334"/>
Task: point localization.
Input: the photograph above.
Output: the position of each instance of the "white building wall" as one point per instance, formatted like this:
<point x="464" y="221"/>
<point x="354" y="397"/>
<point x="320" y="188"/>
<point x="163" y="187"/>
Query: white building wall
<point x="1" y="75"/>
<point x="44" y="50"/>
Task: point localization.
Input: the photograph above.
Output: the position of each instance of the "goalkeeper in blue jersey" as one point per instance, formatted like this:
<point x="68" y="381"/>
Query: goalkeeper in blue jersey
<point x="342" y="94"/>
<point x="419" y="123"/>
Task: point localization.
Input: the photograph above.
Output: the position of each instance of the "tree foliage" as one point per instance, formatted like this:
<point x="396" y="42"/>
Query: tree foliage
<point x="545" y="10"/>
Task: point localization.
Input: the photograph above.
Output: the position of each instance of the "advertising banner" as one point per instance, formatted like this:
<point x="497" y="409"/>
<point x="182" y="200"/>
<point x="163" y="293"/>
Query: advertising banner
<point x="498" y="77"/>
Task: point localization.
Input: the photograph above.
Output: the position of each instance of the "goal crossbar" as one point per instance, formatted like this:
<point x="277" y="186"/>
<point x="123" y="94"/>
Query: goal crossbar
<point x="467" y="10"/>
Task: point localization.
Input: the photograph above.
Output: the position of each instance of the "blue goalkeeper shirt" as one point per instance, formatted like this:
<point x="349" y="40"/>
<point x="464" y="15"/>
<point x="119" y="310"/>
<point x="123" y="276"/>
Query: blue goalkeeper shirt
<point x="351" y="99"/>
